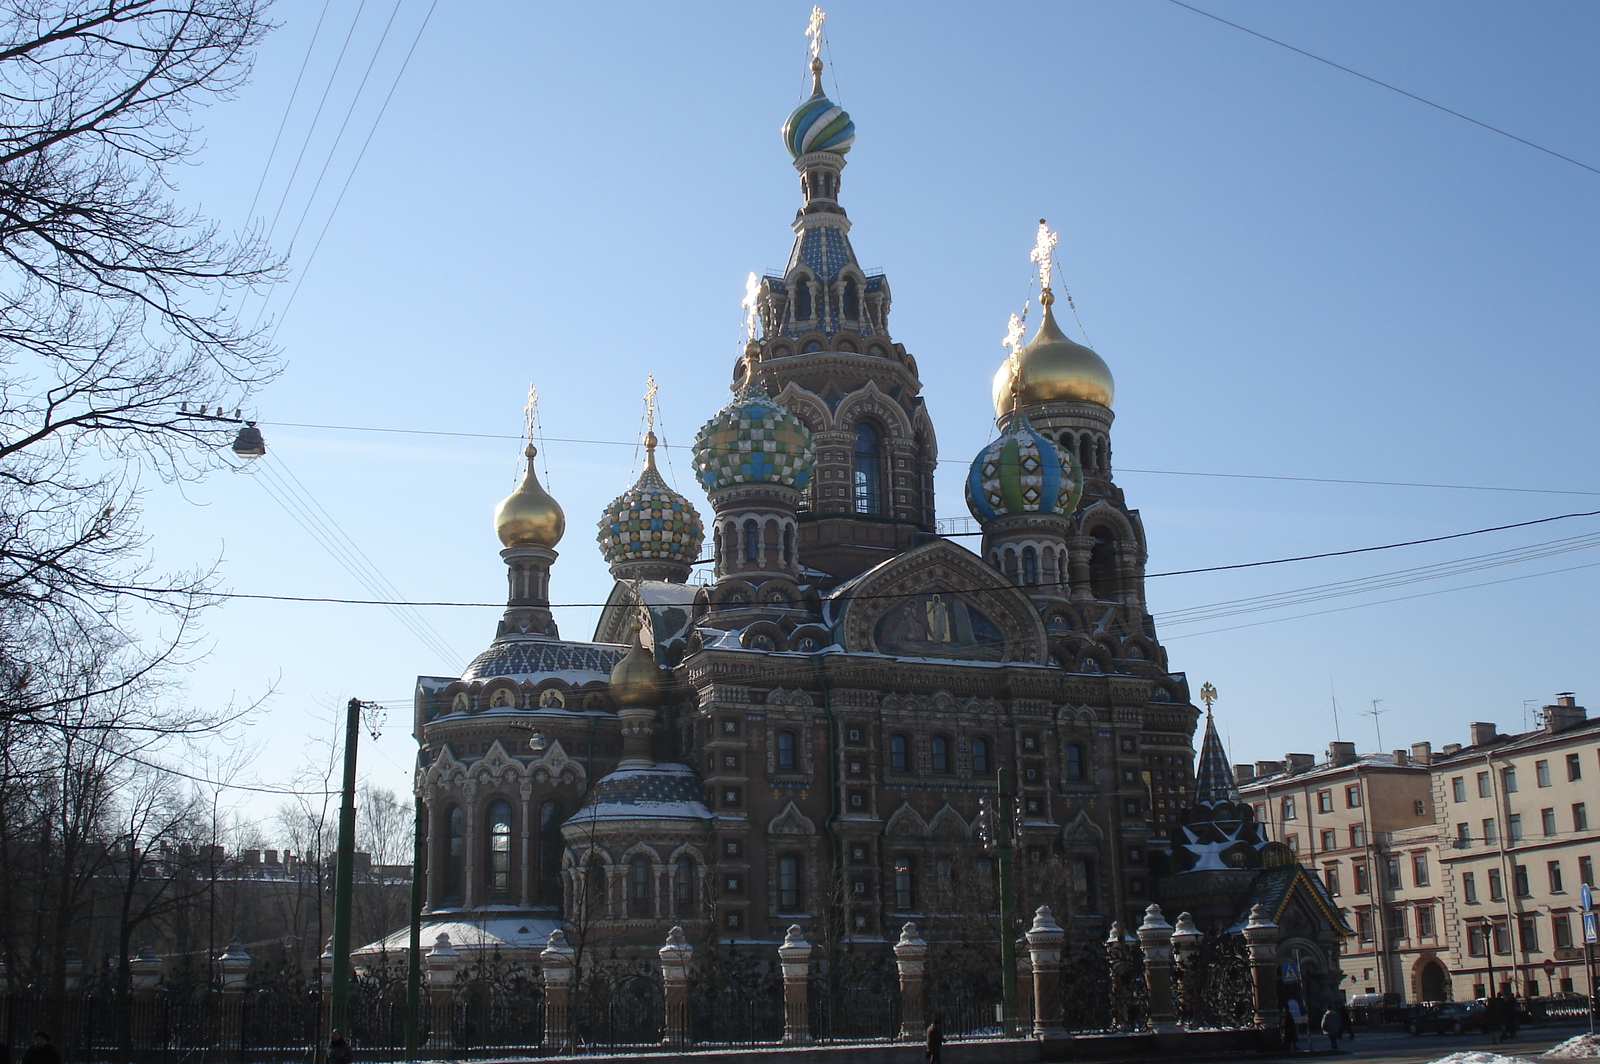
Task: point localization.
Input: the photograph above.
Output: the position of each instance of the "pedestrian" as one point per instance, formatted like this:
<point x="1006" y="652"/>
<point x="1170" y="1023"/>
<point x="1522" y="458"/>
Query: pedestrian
<point x="1494" y="1019"/>
<point x="1332" y="1027"/>
<point x="41" y="1051"/>
<point x="338" y="1049"/>
<point x="1511" y="1014"/>
<point x="1287" y="1028"/>
<point x="1346" y="1022"/>
<point x="935" y="1041"/>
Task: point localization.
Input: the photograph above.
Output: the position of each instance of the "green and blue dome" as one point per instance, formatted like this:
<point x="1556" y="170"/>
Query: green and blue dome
<point x="753" y="440"/>
<point x="1022" y="472"/>
<point x="650" y="521"/>
<point x="819" y="124"/>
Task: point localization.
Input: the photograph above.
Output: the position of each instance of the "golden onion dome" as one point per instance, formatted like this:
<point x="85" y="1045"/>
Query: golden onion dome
<point x="1051" y="367"/>
<point x="529" y="517"/>
<point x="635" y="680"/>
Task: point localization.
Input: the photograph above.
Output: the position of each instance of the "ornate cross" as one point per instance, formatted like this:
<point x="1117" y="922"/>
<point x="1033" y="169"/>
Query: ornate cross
<point x="650" y="404"/>
<point x="752" y="292"/>
<point x="1043" y="250"/>
<point x="814" y="30"/>
<point x="530" y="412"/>
<point x="1208" y="695"/>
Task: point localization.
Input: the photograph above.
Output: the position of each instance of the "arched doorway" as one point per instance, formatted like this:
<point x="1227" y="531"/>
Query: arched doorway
<point x="1432" y="982"/>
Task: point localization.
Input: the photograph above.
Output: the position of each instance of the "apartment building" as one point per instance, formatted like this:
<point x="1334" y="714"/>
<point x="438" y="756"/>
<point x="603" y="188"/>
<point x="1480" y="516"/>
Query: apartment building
<point x="1341" y="816"/>
<point x="1518" y="820"/>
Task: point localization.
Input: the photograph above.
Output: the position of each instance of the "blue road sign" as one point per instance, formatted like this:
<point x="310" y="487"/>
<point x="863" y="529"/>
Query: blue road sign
<point x="1590" y="935"/>
<point x="1585" y="897"/>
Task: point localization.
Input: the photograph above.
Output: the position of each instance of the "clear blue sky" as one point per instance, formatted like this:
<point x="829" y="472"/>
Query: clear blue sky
<point x="1291" y="272"/>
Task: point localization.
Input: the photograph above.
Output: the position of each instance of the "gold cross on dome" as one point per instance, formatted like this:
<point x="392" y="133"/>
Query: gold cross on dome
<point x="1013" y="337"/>
<point x="1043" y="247"/>
<point x="530" y="412"/>
<point x="650" y="403"/>
<point x="752" y="293"/>
<point x="814" y="30"/>
<point x="1208" y="695"/>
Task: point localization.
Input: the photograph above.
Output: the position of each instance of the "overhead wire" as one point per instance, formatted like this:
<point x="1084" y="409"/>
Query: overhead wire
<point x="288" y="109"/>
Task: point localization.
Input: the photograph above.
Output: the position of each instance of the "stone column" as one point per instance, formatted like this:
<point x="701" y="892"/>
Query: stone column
<point x="233" y="968"/>
<point x="1113" y="946"/>
<point x="1024" y="984"/>
<point x="910" y="956"/>
<point x="555" y="966"/>
<point x="675" y="957"/>
<point x="1045" y="939"/>
<point x="1261" y="934"/>
<point x="441" y="960"/>
<point x="1078" y="567"/>
<point x="795" y="956"/>
<point x="1155" y="938"/>
<point x="1186" y="939"/>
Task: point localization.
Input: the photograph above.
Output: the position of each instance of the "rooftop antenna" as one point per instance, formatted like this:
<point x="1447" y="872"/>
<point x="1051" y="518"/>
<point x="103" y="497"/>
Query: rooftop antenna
<point x="1375" y="714"/>
<point x="1335" y="698"/>
<point x="1526" y="702"/>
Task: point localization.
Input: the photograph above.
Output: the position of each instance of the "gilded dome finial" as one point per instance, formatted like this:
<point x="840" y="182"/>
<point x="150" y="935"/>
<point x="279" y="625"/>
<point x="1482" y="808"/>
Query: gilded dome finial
<point x="529" y="516"/>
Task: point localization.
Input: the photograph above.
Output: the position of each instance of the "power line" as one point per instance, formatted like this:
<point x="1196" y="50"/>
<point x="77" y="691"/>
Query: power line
<point x="1386" y="85"/>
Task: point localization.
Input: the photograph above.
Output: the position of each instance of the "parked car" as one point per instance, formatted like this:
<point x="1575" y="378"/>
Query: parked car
<point x="1451" y="1017"/>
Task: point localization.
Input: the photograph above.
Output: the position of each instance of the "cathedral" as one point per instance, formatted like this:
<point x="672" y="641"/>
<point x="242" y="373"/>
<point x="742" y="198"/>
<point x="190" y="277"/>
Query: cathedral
<point x="807" y="736"/>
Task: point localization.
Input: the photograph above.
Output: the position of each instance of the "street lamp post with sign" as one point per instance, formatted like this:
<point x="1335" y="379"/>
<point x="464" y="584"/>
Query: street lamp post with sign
<point x="1590" y="935"/>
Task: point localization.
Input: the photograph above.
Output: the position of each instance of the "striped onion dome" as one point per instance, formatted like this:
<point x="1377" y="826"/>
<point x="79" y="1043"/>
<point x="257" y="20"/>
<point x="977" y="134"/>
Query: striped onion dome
<point x="1022" y="472"/>
<point x="650" y="521"/>
<point x="818" y="124"/>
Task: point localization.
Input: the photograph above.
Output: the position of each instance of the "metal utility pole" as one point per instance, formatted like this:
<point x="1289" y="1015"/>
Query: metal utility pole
<point x="414" y="951"/>
<point x="344" y="874"/>
<point x="1008" y="932"/>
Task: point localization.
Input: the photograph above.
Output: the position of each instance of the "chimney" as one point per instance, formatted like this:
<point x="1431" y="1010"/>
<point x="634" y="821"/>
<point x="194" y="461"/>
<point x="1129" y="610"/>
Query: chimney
<point x="1268" y="768"/>
<point x="250" y="857"/>
<point x="1341" y="753"/>
<point x="272" y="857"/>
<point x="1450" y="749"/>
<point x="363" y="863"/>
<point x="1400" y="759"/>
<point x="1299" y="763"/>
<point x="1422" y="753"/>
<point x="1566" y="713"/>
<point x="1243" y="774"/>
<point x="1483" y="733"/>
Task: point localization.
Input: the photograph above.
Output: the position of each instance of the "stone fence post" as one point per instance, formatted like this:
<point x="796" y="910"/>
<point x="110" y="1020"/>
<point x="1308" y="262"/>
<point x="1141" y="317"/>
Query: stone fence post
<point x="675" y="957"/>
<point x="555" y="967"/>
<point x="1186" y="939"/>
<point x="910" y="956"/>
<point x="1155" y="938"/>
<point x="233" y="967"/>
<point x="795" y="957"/>
<point x="1261" y="935"/>
<point x="1045" y="939"/>
<point x="1024" y="984"/>
<point x="441" y="961"/>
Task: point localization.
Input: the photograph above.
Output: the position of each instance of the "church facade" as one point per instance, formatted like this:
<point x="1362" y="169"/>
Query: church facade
<point x="807" y="737"/>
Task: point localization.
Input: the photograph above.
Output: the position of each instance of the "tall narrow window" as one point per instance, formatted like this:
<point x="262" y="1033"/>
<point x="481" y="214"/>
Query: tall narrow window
<point x="550" y="850"/>
<point x="498" y="865"/>
<point x="789" y="893"/>
<point x="1030" y="566"/>
<point x="802" y="299"/>
<point x="454" y="834"/>
<point x="905" y="894"/>
<point x="752" y="542"/>
<point x="980" y="756"/>
<point x="1074" y="761"/>
<point x="639" y="887"/>
<point x="852" y="301"/>
<point x="941" y="754"/>
<point x="785" y="751"/>
<point x="1103" y="567"/>
<point x="866" y="466"/>
<point x="899" y="758"/>
<point x="685" y="886"/>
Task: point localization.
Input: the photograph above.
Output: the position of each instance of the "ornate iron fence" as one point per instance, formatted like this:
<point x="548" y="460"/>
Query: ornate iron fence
<point x="1216" y="990"/>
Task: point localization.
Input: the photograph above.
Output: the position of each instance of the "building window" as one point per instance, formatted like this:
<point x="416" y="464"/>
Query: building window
<point x="1458" y="789"/>
<point x="1324" y="801"/>
<point x="1330" y="874"/>
<point x="1580" y="817"/>
<point x="639" y="887"/>
<point x="1514" y="827"/>
<point x="1425" y="921"/>
<point x="1502" y="937"/>
<point x="1286" y="808"/>
<point x="1352" y="796"/>
<point x="1359" y="873"/>
<point x="1586" y="870"/>
<point x="1508" y="779"/>
<point x="1496" y="888"/>
<point x="1528" y="934"/>
<point x="899" y="754"/>
<point x="1260" y="810"/>
<point x="1074" y="759"/>
<point x="1574" y="768"/>
<point x="455" y="834"/>
<point x="752" y="542"/>
<point x="1419" y="869"/>
<point x="1463" y="836"/>
<point x="1330" y="840"/>
<point x="1519" y="880"/>
<point x="1553" y="868"/>
<point x="905" y="896"/>
<point x="1561" y="930"/>
<point x="940" y="749"/>
<point x="1358" y="835"/>
<point x="497" y="871"/>
<point x="1293" y="842"/>
<point x="551" y="847"/>
<point x="1547" y="819"/>
<point x="1477" y="940"/>
<point x="789" y="893"/>
<point x="1491" y="831"/>
<point x="1398" y="931"/>
<point x="684" y="887"/>
<point x="786" y="758"/>
<point x="1030" y="566"/>
<point x="852" y="301"/>
<point x="866" y="469"/>
<point x="1364" y="925"/>
<point x="1469" y="887"/>
<point x="1541" y="773"/>
<point x="980" y="757"/>
<point x="1484" y="789"/>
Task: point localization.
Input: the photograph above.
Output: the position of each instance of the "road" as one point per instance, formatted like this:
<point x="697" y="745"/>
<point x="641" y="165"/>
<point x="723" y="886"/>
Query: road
<point x="1397" y="1048"/>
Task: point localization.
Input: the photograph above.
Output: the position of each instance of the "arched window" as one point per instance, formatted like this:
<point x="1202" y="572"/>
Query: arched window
<point x="595" y="880"/>
<point x="1050" y="576"/>
<point x="866" y="457"/>
<point x="639" y="886"/>
<point x="899" y="759"/>
<point x="550" y="850"/>
<point x="1103" y="567"/>
<point x="980" y="756"/>
<point x="1083" y="884"/>
<point x="455" y="832"/>
<point x="905" y="892"/>
<point x="788" y="546"/>
<point x="1102" y="455"/>
<point x="852" y="301"/>
<point x="1009" y="565"/>
<point x="1030" y="566"/>
<point x="790" y="896"/>
<point x="802" y="299"/>
<point x="1074" y="757"/>
<point x="684" y="886"/>
<point x="752" y="542"/>
<point x="502" y="699"/>
<point x="941" y="754"/>
<point x="785" y="751"/>
<point x="497" y="863"/>
<point x="1086" y="453"/>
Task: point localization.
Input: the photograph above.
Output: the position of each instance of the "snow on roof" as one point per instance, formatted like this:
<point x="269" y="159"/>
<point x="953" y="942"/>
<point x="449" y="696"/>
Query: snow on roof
<point x="469" y="933"/>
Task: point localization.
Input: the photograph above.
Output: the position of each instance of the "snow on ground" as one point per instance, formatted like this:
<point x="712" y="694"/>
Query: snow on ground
<point x="1481" y="1056"/>
<point x="1577" y="1047"/>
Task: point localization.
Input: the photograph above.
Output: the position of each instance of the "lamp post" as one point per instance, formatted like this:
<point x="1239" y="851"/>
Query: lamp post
<point x="995" y="829"/>
<point x="344" y="868"/>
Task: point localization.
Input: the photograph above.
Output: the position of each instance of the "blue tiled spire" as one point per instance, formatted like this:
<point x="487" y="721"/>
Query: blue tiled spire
<point x="1214" y="782"/>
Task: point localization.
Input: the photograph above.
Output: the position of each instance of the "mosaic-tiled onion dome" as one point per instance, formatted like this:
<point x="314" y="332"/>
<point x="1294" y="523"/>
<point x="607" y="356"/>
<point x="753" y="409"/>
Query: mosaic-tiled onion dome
<point x="1022" y="472"/>
<point x="753" y="440"/>
<point x="664" y="791"/>
<point x="650" y="520"/>
<point x="818" y="124"/>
